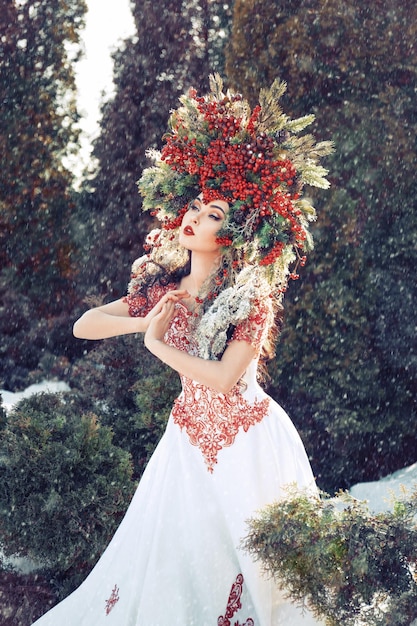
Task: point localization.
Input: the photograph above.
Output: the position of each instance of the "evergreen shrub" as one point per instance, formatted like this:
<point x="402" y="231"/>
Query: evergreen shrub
<point x="65" y="485"/>
<point x="134" y="391"/>
<point x="348" y="565"/>
<point x="34" y="346"/>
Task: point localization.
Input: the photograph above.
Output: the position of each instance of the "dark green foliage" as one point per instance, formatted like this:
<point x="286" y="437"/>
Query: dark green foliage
<point x="3" y="416"/>
<point x="37" y="129"/>
<point x="176" y="47"/>
<point x="134" y="391"/>
<point x="346" y="563"/>
<point x="327" y="52"/>
<point x="345" y="367"/>
<point x="33" y="347"/>
<point x="23" y="598"/>
<point x="65" y="484"/>
<point x="38" y="255"/>
<point x="155" y="390"/>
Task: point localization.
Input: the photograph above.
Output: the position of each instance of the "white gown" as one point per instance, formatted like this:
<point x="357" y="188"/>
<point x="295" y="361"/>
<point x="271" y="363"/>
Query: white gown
<point x="176" y="559"/>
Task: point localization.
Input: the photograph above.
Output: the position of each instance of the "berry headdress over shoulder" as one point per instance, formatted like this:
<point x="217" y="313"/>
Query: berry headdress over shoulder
<point x="255" y="160"/>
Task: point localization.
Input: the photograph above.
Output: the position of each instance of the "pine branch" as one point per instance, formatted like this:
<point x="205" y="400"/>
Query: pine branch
<point x="296" y="126"/>
<point x="272" y="117"/>
<point x="216" y="85"/>
<point x="315" y="175"/>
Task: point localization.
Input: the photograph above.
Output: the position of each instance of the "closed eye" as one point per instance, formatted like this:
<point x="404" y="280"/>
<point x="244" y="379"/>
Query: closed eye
<point x="215" y="216"/>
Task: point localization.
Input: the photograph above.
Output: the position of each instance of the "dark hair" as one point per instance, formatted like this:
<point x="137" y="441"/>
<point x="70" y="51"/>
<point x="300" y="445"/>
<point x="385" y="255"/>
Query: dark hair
<point x="221" y="279"/>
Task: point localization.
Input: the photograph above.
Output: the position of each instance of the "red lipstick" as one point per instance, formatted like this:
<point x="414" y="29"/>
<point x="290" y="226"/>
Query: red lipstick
<point x="187" y="230"/>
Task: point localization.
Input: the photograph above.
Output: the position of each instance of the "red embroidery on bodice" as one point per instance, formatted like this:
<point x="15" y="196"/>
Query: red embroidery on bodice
<point x="212" y="420"/>
<point x="234" y="604"/>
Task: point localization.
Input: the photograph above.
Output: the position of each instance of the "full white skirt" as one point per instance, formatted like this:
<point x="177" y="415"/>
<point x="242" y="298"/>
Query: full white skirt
<point x="176" y="555"/>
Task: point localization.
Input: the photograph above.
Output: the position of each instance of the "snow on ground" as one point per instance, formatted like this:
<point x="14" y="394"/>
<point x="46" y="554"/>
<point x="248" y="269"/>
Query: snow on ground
<point x="10" y="399"/>
<point x="381" y="494"/>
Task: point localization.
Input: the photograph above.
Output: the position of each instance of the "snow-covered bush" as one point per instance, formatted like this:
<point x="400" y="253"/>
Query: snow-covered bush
<point x="350" y="566"/>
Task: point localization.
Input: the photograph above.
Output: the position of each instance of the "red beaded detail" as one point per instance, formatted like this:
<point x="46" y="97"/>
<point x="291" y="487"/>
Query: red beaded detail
<point x="254" y="328"/>
<point x="114" y="598"/>
<point x="233" y="605"/>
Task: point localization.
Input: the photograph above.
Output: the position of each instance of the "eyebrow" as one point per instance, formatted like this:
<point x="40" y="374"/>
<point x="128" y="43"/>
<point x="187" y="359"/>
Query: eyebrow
<point x="214" y="206"/>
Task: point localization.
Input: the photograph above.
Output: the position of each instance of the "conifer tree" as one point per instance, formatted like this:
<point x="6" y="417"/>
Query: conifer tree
<point x="178" y="44"/>
<point x="37" y="128"/>
<point x="345" y="367"/>
<point x="38" y="44"/>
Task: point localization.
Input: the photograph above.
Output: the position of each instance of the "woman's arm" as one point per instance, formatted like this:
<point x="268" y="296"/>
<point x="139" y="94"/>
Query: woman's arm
<point x="113" y="319"/>
<point x="218" y="375"/>
<point x="108" y="320"/>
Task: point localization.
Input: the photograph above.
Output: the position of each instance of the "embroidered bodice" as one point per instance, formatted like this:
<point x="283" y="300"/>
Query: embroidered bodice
<point x="211" y="419"/>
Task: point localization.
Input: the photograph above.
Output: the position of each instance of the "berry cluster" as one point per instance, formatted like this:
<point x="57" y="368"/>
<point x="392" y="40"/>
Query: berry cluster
<point x="246" y="171"/>
<point x="252" y="160"/>
<point x="175" y="222"/>
<point x="226" y="152"/>
<point x="253" y="120"/>
<point x="181" y="153"/>
<point x="273" y="254"/>
<point x="218" y="119"/>
<point x="224" y="241"/>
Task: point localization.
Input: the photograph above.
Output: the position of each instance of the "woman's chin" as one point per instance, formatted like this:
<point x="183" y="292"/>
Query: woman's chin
<point x="184" y="241"/>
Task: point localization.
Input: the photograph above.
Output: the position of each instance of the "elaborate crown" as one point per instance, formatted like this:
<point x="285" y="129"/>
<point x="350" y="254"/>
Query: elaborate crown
<point x="254" y="160"/>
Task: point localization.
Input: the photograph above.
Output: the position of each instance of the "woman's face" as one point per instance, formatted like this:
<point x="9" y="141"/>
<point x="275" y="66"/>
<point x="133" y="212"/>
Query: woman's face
<point x="201" y="224"/>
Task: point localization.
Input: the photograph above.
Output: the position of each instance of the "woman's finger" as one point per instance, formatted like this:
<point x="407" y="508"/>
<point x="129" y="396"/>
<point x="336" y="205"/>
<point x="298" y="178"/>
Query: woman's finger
<point x="176" y="295"/>
<point x="169" y="307"/>
<point x="166" y="309"/>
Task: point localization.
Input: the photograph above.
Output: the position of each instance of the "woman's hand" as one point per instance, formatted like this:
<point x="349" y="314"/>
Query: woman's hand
<point x="173" y="296"/>
<point x="113" y="319"/>
<point x="158" y="326"/>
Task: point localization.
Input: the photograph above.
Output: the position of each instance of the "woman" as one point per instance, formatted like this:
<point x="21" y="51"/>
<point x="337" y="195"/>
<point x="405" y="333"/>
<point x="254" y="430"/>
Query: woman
<point x="227" y="190"/>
